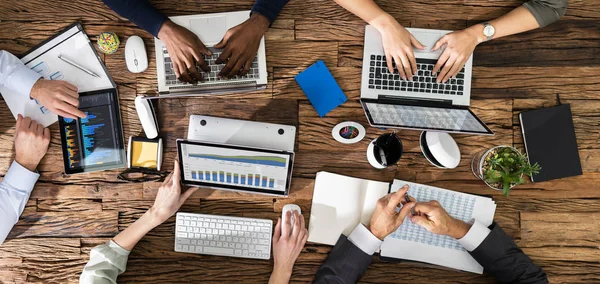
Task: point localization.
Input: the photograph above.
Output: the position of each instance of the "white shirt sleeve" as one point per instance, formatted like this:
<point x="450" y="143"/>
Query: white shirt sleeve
<point x="15" y="76"/>
<point x="364" y="239"/>
<point x="475" y="236"/>
<point x="106" y="263"/>
<point x="15" y="189"/>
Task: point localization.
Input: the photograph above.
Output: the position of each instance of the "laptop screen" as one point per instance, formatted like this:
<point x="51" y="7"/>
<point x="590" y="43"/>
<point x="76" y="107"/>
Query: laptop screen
<point x="425" y="117"/>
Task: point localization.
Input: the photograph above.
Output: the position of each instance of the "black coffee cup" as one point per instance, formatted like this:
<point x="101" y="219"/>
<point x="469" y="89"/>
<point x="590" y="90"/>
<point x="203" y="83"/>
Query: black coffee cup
<point x="386" y="150"/>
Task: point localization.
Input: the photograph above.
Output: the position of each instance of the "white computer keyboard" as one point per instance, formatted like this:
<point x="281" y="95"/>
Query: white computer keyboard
<point x="223" y="235"/>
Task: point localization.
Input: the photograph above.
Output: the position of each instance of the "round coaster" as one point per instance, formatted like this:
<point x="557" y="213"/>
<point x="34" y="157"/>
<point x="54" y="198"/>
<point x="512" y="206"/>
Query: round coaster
<point x="348" y="132"/>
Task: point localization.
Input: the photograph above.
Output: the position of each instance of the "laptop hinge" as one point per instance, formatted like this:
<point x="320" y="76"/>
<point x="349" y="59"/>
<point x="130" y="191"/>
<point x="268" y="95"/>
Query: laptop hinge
<point x="386" y="99"/>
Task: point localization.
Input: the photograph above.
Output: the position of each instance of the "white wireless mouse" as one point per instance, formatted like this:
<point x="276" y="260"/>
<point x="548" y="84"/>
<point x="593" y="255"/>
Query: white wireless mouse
<point x="145" y="112"/>
<point x="289" y="207"/>
<point x="135" y="55"/>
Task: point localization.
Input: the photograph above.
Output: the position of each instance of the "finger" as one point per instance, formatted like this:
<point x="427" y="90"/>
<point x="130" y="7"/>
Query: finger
<point x="445" y="73"/>
<point x="183" y="73"/>
<point x="39" y="129"/>
<point x="246" y="68"/>
<point x="413" y="64"/>
<point x="176" y="174"/>
<point x="71" y="87"/>
<point x="64" y="113"/>
<point x="397" y="197"/>
<point x="440" y="43"/>
<point x="196" y="76"/>
<point x="236" y="69"/>
<point x="277" y="232"/>
<point x="203" y="49"/>
<point x="422" y="221"/>
<point x="204" y="66"/>
<point x="403" y="213"/>
<point x="423" y="207"/>
<point x="68" y="97"/>
<point x="443" y="58"/>
<point x="224" y="57"/>
<point x="176" y="69"/>
<point x="400" y="68"/>
<point x="223" y="42"/>
<point x="228" y="67"/>
<point x="416" y="43"/>
<point x="19" y="122"/>
<point x="47" y="134"/>
<point x="285" y="228"/>
<point x="457" y="67"/>
<point x="27" y="123"/>
<point x="72" y="112"/>
<point x="187" y="194"/>
<point x="167" y="179"/>
<point x="390" y="65"/>
<point x="303" y="232"/>
<point x="406" y="66"/>
<point x="297" y="228"/>
<point x="191" y="69"/>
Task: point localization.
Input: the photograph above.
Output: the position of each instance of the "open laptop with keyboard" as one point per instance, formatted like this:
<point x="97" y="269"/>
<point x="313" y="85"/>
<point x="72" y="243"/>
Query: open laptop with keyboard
<point x="223" y="235"/>
<point x="210" y="28"/>
<point x="420" y="103"/>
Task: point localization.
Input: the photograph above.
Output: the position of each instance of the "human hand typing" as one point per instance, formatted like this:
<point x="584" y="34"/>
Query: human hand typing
<point x="385" y="219"/>
<point x="186" y="51"/>
<point x="397" y="44"/>
<point x="31" y="142"/>
<point x="288" y="241"/>
<point x="240" y="45"/>
<point x="433" y="217"/>
<point x="169" y="197"/>
<point x="59" y="97"/>
<point x="459" y="47"/>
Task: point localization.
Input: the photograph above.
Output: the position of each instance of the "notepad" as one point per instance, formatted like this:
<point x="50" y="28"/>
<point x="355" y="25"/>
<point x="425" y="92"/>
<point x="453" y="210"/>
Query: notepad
<point x="340" y="203"/>
<point x="320" y="88"/>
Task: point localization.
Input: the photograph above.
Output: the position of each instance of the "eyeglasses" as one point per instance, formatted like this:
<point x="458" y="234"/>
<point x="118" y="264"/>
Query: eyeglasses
<point x="142" y="175"/>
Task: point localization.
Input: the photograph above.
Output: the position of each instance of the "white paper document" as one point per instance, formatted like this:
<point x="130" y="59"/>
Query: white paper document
<point x="414" y="242"/>
<point x="339" y="204"/>
<point x="74" y="45"/>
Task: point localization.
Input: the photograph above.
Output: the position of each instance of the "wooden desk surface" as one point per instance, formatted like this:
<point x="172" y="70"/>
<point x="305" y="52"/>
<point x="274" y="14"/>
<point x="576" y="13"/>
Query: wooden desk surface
<point x="557" y="223"/>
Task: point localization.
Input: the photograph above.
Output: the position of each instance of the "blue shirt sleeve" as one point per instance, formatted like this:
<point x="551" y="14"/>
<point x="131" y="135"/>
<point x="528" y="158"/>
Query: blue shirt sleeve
<point x="140" y="12"/>
<point x="269" y="8"/>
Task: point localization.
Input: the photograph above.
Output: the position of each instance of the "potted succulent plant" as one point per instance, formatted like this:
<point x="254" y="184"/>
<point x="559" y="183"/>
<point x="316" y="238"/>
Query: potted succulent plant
<point x="502" y="167"/>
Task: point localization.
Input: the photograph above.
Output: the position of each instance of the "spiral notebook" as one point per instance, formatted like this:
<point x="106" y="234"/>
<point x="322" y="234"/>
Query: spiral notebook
<point x="340" y="203"/>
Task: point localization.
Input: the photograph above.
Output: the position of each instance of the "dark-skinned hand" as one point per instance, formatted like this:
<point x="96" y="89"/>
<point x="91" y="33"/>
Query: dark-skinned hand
<point x="240" y="45"/>
<point x="186" y="52"/>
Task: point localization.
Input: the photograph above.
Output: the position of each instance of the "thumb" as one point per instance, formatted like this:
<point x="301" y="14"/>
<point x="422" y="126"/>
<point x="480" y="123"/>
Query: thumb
<point x="277" y="233"/>
<point x="187" y="194"/>
<point x="422" y="221"/>
<point x="416" y="43"/>
<point x="440" y="43"/>
<point x="223" y="42"/>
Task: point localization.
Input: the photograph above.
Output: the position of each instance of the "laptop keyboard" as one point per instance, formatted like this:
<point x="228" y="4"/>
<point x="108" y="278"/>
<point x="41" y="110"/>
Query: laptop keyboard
<point x="423" y="82"/>
<point x="171" y="78"/>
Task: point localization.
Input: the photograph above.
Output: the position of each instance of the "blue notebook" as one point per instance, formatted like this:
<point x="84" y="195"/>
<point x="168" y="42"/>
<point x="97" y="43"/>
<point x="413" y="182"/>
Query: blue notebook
<point x="320" y="88"/>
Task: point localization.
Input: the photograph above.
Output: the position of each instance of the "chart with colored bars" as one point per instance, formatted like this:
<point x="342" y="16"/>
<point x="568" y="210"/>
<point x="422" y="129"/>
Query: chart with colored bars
<point x="235" y="167"/>
<point x="91" y="140"/>
<point x="459" y="206"/>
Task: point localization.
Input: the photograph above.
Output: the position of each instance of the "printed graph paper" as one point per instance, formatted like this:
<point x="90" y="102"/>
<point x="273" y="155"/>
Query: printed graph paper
<point x="459" y="206"/>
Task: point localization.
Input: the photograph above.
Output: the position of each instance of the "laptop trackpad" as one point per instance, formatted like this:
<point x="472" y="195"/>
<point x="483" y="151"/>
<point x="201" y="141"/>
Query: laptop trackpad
<point x="428" y="39"/>
<point x="209" y="30"/>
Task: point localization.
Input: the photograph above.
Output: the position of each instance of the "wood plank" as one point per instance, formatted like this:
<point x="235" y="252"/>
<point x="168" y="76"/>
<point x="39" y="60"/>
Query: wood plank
<point x="47" y="248"/>
<point x="58" y="224"/>
<point x="68" y="205"/>
<point x="561" y="229"/>
<point x="87" y="189"/>
<point x="63" y="271"/>
<point x="304" y="53"/>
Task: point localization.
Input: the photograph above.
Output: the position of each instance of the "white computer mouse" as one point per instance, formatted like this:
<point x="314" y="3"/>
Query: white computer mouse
<point x="147" y="116"/>
<point x="289" y="207"/>
<point x="135" y="55"/>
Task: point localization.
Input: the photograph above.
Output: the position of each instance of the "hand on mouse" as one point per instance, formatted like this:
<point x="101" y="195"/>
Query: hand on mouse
<point x="240" y="45"/>
<point x="186" y="51"/>
<point x="288" y="241"/>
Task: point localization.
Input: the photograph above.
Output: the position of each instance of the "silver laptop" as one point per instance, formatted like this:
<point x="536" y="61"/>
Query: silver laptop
<point x="210" y="28"/>
<point x="423" y="104"/>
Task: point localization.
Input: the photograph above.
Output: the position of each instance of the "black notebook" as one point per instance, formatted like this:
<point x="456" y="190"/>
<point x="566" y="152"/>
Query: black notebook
<point x="550" y="141"/>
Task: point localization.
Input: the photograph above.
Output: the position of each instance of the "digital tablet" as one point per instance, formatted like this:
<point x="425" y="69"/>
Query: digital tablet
<point x="96" y="142"/>
<point x="237" y="168"/>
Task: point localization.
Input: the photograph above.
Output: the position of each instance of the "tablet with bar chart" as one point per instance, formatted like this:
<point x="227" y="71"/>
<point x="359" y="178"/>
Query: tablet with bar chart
<point x="235" y="167"/>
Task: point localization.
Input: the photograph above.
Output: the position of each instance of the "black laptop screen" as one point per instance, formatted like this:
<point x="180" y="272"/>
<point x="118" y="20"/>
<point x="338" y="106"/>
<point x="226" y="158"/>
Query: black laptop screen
<point x="425" y="117"/>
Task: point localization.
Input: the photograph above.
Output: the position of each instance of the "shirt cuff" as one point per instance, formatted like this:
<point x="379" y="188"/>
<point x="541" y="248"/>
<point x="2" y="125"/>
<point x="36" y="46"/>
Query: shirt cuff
<point x="21" y="178"/>
<point x="474" y="236"/>
<point x="364" y="240"/>
<point x="118" y="249"/>
<point x="22" y="80"/>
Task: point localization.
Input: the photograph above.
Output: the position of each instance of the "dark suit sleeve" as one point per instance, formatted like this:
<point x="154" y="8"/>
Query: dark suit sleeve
<point x="140" y="12"/>
<point x="269" y="8"/>
<point x="345" y="263"/>
<point x="547" y="11"/>
<point x="502" y="258"/>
